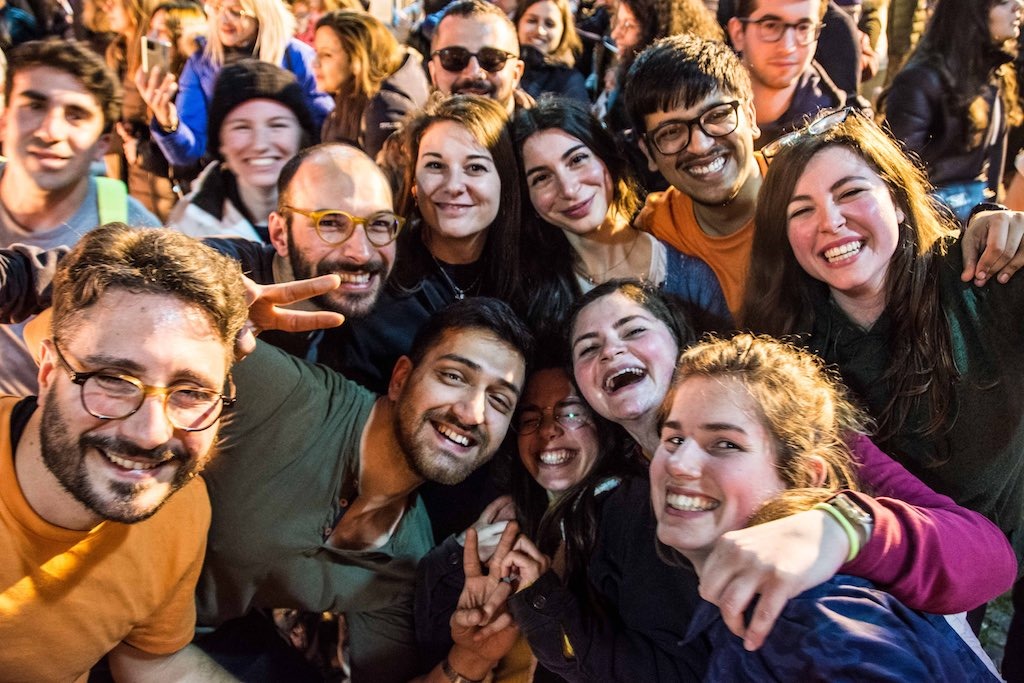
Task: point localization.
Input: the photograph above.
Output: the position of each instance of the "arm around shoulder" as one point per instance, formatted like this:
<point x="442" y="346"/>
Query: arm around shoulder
<point x="187" y="665"/>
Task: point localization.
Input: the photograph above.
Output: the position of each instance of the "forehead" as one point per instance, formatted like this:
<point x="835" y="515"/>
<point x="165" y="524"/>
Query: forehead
<point x="158" y="337"/>
<point x="607" y="311"/>
<point x="788" y="10"/>
<point x="831" y="164"/>
<point x="549" y="144"/>
<point x="55" y="85"/>
<point x="450" y="139"/>
<point x="701" y="399"/>
<point x="259" y="109"/>
<point x="480" y="348"/>
<point x="476" y="32"/>
<point x="715" y="97"/>
<point x="547" y="387"/>
<point x="543" y="8"/>
<point x="353" y="185"/>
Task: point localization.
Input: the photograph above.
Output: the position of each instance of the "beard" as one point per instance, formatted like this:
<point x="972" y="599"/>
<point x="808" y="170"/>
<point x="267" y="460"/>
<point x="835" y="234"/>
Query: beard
<point x="118" y="501"/>
<point x="425" y="457"/>
<point x="350" y="305"/>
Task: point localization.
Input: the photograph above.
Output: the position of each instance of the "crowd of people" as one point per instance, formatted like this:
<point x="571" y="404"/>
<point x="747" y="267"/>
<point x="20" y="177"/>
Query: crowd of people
<point x="512" y="341"/>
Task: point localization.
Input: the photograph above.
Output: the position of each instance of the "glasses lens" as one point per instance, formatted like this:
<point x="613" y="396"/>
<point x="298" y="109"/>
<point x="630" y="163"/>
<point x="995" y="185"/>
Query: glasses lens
<point x="529" y="422"/>
<point x="720" y="120"/>
<point x="492" y="59"/>
<point x="111" y="397"/>
<point x="193" y="409"/>
<point x="572" y="418"/>
<point x="334" y="227"/>
<point x="454" y="58"/>
<point x="672" y="137"/>
<point x="382" y="228"/>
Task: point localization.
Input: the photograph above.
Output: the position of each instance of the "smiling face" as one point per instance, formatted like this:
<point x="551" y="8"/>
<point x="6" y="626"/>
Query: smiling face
<point x="331" y="66"/>
<point x="257" y="138"/>
<point x="235" y="25"/>
<point x="714" y="467"/>
<point x="453" y="408"/>
<point x="458" y="191"/>
<point x="351" y="182"/>
<point x="710" y="170"/>
<point x="474" y="33"/>
<point x="570" y="187"/>
<point x="844" y="227"/>
<point x="125" y="469"/>
<point x="1004" y="18"/>
<point x="556" y="456"/>
<point x="52" y="129"/>
<point x="541" y="26"/>
<point x="623" y="357"/>
<point x="776" y="65"/>
<point x="627" y="30"/>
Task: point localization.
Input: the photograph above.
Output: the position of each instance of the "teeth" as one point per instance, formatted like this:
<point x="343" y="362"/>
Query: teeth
<point x="678" y="501"/>
<point x="623" y="377"/>
<point x="556" y="457"/>
<point x="262" y="161"/>
<point x="354" y="278"/>
<point x="131" y="464"/>
<point x="707" y="169"/>
<point x="843" y="252"/>
<point x="453" y="436"/>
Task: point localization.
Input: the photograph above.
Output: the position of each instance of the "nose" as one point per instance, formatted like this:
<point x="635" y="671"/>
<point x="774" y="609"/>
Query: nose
<point x="568" y="185"/>
<point x="686" y="461"/>
<point x="612" y="348"/>
<point x="148" y="427"/>
<point x="788" y="40"/>
<point x="549" y="427"/>
<point x="473" y="69"/>
<point x="260" y="136"/>
<point x="471" y="409"/>
<point x="455" y="181"/>
<point x="357" y="248"/>
<point x="699" y="142"/>
<point x="832" y="217"/>
<point x="53" y="126"/>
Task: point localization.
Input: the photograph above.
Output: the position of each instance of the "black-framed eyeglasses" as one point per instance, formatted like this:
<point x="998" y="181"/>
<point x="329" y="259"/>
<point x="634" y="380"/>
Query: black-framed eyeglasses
<point x="570" y="417"/>
<point x="771" y="30"/>
<point x="824" y="123"/>
<point x="334" y="226"/>
<point x="672" y="137"/>
<point x="455" y="59"/>
<point x="113" y="396"/>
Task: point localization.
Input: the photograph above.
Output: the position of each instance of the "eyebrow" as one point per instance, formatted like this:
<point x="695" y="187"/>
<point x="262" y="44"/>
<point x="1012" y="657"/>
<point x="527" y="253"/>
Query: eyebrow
<point x="568" y="153"/>
<point x="485" y="157"/>
<point x="473" y="365"/>
<point x="842" y="181"/>
<point x="132" y="367"/>
<point x="617" y="324"/>
<point x="707" y="427"/>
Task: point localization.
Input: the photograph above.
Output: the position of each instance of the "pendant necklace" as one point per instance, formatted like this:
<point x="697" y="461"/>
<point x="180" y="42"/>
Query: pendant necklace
<point x="459" y="292"/>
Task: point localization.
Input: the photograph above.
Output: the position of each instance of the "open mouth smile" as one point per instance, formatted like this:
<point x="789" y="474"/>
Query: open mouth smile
<point x="685" y="503"/>
<point x="454" y="436"/>
<point x="623" y="378"/>
<point x="843" y="252"/>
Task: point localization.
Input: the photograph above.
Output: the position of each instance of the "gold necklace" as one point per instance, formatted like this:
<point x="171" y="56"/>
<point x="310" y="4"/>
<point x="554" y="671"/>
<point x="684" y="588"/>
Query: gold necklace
<point x="581" y="267"/>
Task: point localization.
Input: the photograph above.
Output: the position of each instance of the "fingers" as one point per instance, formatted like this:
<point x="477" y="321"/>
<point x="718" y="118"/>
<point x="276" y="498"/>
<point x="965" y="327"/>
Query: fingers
<point x="299" y="290"/>
<point x="769" y="606"/>
<point x="1001" y="233"/>
<point x="500" y="623"/>
<point x="732" y="598"/>
<point x="508" y="539"/>
<point x="470" y="559"/>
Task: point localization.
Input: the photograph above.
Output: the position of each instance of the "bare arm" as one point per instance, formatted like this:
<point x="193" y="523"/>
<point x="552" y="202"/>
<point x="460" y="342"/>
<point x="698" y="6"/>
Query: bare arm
<point x="187" y="665"/>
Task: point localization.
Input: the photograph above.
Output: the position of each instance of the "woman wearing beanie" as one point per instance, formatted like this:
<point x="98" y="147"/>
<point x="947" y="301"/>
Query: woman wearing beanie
<point x="258" y="121"/>
<point x="239" y="29"/>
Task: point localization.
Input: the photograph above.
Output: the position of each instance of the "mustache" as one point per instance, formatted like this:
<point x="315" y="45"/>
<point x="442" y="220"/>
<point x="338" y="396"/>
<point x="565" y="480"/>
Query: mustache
<point x="472" y="84"/>
<point x="114" y="444"/>
<point x="684" y="158"/>
<point x="447" y="417"/>
<point x="373" y="267"/>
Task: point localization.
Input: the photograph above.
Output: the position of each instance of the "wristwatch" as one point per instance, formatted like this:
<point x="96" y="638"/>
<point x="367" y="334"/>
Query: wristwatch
<point x="859" y="518"/>
<point x="454" y="676"/>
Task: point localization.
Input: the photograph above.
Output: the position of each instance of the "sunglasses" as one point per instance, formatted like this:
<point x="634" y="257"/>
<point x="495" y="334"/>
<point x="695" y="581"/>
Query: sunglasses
<point x="824" y="123"/>
<point x="456" y="59"/>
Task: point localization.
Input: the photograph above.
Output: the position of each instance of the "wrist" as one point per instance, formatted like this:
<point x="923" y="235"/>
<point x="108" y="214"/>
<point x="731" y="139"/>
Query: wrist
<point x="856" y="522"/>
<point x="462" y="665"/>
<point x="171" y="124"/>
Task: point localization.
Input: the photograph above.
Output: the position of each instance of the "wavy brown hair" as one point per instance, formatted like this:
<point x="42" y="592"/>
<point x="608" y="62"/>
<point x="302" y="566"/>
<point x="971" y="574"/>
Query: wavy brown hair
<point x="778" y="299"/>
<point x="569" y="46"/>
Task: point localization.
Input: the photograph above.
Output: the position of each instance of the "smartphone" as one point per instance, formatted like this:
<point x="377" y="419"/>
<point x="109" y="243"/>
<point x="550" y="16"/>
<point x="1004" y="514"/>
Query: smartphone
<point x="155" y="53"/>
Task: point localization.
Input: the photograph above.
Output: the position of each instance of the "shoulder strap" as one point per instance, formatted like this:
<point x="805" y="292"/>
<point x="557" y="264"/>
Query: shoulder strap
<point x="111" y="200"/>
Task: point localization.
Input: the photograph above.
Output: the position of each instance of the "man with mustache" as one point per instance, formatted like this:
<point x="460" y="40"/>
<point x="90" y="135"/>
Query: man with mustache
<point x="475" y="51"/>
<point x="62" y="103"/>
<point x="104" y="520"/>
<point x="316" y="498"/>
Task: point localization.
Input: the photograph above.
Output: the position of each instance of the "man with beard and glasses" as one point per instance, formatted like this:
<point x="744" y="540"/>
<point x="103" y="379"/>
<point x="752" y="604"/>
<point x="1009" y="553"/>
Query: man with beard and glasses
<point x="475" y="51"/>
<point x="691" y="104"/>
<point x="103" y="518"/>
<point x="316" y="495"/>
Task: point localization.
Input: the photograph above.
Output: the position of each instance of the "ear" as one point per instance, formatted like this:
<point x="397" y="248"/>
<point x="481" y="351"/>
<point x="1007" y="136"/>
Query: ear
<point x="518" y="72"/>
<point x="431" y="67"/>
<point x="735" y="28"/>
<point x="399" y="377"/>
<point x="49" y="366"/>
<point x="751" y="114"/>
<point x="277" y="225"/>
<point x="819" y="470"/>
<point x="641" y="142"/>
<point x="901" y="216"/>
<point x="102" y="146"/>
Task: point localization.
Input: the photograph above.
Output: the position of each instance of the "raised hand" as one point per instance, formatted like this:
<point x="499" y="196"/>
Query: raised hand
<point x="158" y="91"/>
<point x="266" y="310"/>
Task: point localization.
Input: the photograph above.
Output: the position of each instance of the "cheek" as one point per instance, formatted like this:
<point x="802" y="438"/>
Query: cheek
<point x="801" y="241"/>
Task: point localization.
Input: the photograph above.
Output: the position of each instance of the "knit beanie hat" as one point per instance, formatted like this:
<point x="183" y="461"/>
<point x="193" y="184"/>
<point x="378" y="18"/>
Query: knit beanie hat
<point x="251" y="79"/>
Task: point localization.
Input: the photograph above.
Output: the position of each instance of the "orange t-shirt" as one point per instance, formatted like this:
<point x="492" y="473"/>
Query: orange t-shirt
<point x="69" y="597"/>
<point x="669" y="216"/>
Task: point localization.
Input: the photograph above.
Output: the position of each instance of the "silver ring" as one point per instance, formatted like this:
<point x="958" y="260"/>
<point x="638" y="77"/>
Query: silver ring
<point x="507" y="579"/>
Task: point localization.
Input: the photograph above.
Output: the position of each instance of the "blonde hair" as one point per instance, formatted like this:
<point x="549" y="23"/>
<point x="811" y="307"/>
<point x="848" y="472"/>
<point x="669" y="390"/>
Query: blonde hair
<point x="275" y="27"/>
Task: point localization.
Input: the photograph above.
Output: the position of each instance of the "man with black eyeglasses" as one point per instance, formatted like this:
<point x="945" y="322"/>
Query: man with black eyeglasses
<point x="103" y="518"/>
<point x="475" y="51"/>
<point x="776" y="40"/>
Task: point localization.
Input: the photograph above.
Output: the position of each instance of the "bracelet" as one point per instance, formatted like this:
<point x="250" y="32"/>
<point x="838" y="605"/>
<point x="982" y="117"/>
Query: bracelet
<point x="454" y="676"/>
<point x="851" y="533"/>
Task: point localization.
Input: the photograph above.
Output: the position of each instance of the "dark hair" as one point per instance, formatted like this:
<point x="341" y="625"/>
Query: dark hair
<point x="373" y="52"/>
<point x="155" y="261"/>
<point x="744" y="8"/>
<point x="570" y="45"/>
<point x="957" y="44"/>
<point x="474" y="313"/>
<point x="779" y="293"/>
<point x="661" y="18"/>
<point x="680" y="71"/>
<point x="662" y="306"/>
<point x="486" y="121"/>
<point x="77" y="60"/>
<point x="471" y="9"/>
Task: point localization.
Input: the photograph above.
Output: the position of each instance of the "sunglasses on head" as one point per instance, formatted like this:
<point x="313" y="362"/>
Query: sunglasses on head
<point x="455" y="59"/>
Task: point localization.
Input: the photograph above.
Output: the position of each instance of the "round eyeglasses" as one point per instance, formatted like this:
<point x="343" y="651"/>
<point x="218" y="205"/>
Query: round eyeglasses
<point x="334" y="226"/>
<point x="771" y="30"/>
<point x="718" y="120"/>
<point x="570" y="417"/>
<point x="112" y="396"/>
